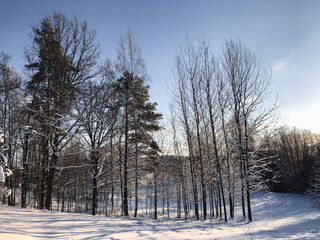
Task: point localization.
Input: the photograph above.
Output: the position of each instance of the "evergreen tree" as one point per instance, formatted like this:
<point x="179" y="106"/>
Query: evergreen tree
<point x="61" y="58"/>
<point x="140" y="119"/>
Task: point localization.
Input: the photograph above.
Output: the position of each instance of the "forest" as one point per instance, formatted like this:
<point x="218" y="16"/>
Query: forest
<point x="81" y="136"/>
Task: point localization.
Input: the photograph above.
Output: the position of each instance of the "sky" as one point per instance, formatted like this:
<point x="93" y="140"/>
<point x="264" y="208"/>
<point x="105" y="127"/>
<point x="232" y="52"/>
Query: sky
<point x="283" y="34"/>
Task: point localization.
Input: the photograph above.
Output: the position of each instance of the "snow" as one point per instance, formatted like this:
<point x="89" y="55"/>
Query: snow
<point x="2" y="176"/>
<point x="3" y="159"/>
<point x="3" y="162"/>
<point x="276" y="216"/>
<point x="3" y="173"/>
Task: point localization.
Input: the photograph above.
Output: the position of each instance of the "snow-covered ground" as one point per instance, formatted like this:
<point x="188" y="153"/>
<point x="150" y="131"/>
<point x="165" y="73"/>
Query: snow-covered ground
<point x="276" y="216"/>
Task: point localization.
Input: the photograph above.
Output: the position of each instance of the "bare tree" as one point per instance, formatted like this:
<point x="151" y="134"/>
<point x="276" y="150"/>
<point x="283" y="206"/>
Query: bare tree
<point x="209" y="74"/>
<point x="180" y="171"/>
<point x="222" y="104"/>
<point x="98" y="115"/>
<point x="129" y="57"/>
<point x="183" y="72"/>
<point x="249" y="87"/>
<point x="10" y="111"/>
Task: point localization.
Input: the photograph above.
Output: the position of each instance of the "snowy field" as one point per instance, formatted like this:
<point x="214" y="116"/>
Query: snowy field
<point x="276" y="216"/>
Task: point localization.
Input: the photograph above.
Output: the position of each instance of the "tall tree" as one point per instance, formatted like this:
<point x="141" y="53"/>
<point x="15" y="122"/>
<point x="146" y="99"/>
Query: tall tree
<point x="140" y="119"/>
<point x="63" y="55"/>
<point x="10" y="109"/>
<point x="98" y="114"/>
<point x="209" y="76"/>
<point x="130" y="64"/>
<point x="249" y="86"/>
<point x="182" y="75"/>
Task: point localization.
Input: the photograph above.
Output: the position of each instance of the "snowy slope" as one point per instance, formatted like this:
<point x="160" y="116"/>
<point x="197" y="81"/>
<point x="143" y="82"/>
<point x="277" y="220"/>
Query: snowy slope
<point x="276" y="216"/>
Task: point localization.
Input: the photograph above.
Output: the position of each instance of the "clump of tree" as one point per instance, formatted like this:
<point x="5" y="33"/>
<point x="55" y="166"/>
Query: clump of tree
<point x="314" y="184"/>
<point x="296" y="154"/>
<point x="10" y="125"/>
<point x="295" y="161"/>
<point x="86" y="134"/>
<point x="222" y="112"/>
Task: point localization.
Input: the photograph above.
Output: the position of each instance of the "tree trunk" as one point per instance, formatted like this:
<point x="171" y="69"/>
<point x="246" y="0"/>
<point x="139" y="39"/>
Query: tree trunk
<point x="63" y="197"/>
<point x="247" y="170"/>
<point x="230" y="188"/>
<point x="94" y="169"/>
<point x="125" y="165"/>
<point x="136" y="200"/>
<point x="214" y="141"/>
<point x="44" y="172"/>
<point x="242" y="189"/>
<point x="94" y="195"/>
<point x="50" y="179"/>
<point x="178" y="188"/>
<point x="112" y="177"/>
<point x="163" y="198"/>
<point x="197" y="120"/>
<point x="24" y="182"/>
<point x="185" y="203"/>
<point x="168" y="202"/>
<point x="155" y="196"/>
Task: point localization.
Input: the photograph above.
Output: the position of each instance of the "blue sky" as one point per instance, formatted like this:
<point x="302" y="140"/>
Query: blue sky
<point x="284" y="35"/>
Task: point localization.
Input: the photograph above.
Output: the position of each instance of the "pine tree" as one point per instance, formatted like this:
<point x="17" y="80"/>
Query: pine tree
<point x="140" y="119"/>
<point x="61" y="58"/>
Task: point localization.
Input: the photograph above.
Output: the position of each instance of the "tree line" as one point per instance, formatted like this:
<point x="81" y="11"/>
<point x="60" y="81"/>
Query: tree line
<point x="82" y="136"/>
<point x="224" y="118"/>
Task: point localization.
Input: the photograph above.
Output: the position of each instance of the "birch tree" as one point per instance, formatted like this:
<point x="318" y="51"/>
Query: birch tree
<point x="251" y="113"/>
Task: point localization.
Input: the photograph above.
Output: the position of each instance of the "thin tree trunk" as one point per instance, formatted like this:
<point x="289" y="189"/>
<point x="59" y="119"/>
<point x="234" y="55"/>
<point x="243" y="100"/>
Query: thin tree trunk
<point x="63" y="197"/>
<point x="136" y="182"/>
<point x="94" y="195"/>
<point x="242" y="189"/>
<point x="247" y="172"/>
<point x="168" y="202"/>
<point x="178" y="188"/>
<point x="230" y="189"/>
<point x="155" y="195"/>
<point x="94" y="172"/>
<point x="112" y="172"/>
<point x="24" y="182"/>
<point x="125" y="165"/>
<point x="214" y="141"/>
<point x="216" y="200"/>
<point x="185" y="203"/>
<point x="163" y="198"/>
